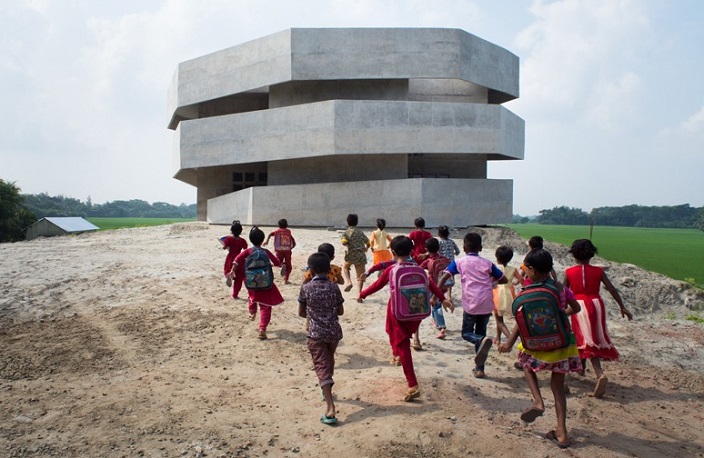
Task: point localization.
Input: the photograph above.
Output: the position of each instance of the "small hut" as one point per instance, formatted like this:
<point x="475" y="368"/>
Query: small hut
<point x="51" y="226"/>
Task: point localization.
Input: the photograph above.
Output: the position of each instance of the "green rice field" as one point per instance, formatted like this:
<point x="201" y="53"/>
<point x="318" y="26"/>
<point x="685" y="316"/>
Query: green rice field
<point x="677" y="253"/>
<point x="119" y="223"/>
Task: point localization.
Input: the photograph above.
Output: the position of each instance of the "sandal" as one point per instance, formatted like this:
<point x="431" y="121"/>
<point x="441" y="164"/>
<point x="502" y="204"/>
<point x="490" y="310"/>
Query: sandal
<point x="411" y="394"/>
<point x="552" y="437"/>
<point x="530" y="414"/>
<point x="395" y="361"/>
<point x="328" y="420"/>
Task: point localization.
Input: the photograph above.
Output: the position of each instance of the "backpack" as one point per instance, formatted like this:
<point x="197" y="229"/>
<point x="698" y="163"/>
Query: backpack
<point x="408" y="286"/>
<point x="282" y="241"/>
<point x="258" y="271"/>
<point x="436" y="267"/>
<point x="542" y="325"/>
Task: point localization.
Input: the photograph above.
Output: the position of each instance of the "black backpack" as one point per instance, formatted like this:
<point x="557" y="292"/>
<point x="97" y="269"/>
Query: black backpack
<point x="258" y="271"/>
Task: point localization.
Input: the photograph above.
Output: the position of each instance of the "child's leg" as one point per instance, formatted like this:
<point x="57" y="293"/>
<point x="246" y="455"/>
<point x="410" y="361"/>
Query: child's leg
<point x="252" y="307"/>
<point x="237" y="286"/>
<point x="323" y="355"/>
<point x="500" y="327"/>
<point x="346" y="268"/>
<point x="403" y="351"/>
<point x="287" y="262"/>
<point x="359" y="270"/>
<point x="264" y="317"/>
<point x="534" y="388"/>
<point x="557" y="383"/>
<point x="601" y="379"/>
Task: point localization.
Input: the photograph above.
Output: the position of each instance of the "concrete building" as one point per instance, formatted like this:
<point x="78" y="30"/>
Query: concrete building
<point x="54" y="225"/>
<point x="313" y="124"/>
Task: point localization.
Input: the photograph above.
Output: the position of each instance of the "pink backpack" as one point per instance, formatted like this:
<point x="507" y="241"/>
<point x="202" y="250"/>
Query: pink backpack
<point x="409" y="292"/>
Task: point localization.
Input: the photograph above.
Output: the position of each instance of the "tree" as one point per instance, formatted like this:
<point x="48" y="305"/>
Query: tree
<point x="14" y="218"/>
<point x="563" y="215"/>
<point x="700" y="223"/>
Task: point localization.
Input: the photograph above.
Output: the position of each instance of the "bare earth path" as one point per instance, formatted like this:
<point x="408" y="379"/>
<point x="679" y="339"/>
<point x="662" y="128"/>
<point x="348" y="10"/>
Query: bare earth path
<point x="126" y="343"/>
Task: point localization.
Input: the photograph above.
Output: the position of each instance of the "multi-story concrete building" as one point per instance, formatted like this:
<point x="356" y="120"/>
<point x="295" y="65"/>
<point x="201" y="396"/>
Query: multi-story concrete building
<point x="313" y="124"/>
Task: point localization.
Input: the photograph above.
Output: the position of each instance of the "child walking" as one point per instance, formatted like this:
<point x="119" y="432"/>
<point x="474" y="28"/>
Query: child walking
<point x="435" y="264"/>
<point x="234" y="244"/>
<point x="476" y="276"/>
<point x="448" y="249"/>
<point x="400" y="332"/>
<point x="589" y="324"/>
<point x="379" y="243"/>
<point x="538" y="264"/>
<point x="265" y="299"/>
<point x="418" y="237"/>
<point x="284" y="243"/>
<point x="504" y="294"/>
<point x="357" y="245"/>
<point x="320" y="302"/>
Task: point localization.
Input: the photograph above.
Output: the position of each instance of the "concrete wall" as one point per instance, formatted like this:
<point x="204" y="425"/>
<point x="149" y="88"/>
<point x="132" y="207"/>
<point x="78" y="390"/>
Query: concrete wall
<point x="453" y="202"/>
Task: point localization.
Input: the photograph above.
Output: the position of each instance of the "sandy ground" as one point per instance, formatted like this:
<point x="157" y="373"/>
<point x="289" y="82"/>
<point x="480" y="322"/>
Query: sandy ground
<point x="127" y="343"/>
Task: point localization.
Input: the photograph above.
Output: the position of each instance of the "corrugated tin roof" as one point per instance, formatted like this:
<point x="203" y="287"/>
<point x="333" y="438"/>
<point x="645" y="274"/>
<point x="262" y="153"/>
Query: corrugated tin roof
<point x="72" y="223"/>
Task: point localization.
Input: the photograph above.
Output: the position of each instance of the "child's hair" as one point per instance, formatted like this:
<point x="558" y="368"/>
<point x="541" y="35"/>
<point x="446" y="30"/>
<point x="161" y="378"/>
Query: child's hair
<point x="419" y="223"/>
<point x="352" y="219"/>
<point x="328" y="249"/>
<point x="432" y="245"/>
<point x="236" y="228"/>
<point x="283" y="224"/>
<point x="381" y="224"/>
<point x="443" y="232"/>
<point x="540" y="260"/>
<point x="256" y="236"/>
<point x="535" y="242"/>
<point x="319" y="263"/>
<point x="473" y="242"/>
<point x="583" y="249"/>
<point x="402" y="246"/>
<point x="504" y="255"/>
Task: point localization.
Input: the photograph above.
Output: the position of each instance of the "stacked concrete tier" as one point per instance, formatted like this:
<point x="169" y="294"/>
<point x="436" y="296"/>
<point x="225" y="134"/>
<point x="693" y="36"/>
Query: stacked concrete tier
<point x="313" y="124"/>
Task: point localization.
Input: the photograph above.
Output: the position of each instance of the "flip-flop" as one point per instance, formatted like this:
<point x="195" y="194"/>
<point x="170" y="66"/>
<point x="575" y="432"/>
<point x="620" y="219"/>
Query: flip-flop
<point x="348" y="288"/>
<point x="550" y="435"/>
<point x="529" y="415"/>
<point x="413" y="393"/>
<point x="600" y="388"/>
<point x="328" y="420"/>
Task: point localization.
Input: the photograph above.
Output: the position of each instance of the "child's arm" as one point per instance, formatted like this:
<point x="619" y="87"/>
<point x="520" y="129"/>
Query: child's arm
<point x="302" y="310"/>
<point x="340" y="309"/>
<point x="617" y="297"/>
<point x="376" y="286"/>
<point x="508" y="345"/>
<point x="517" y="275"/>
<point x="268" y="237"/>
<point x="498" y="275"/>
<point x="456" y="248"/>
<point x="446" y="304"/>
<point x="273" y="258"/>
<point x="339" y="279"/>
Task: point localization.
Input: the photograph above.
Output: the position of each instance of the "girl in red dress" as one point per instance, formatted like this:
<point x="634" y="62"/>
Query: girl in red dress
<point x="589" y="325"/>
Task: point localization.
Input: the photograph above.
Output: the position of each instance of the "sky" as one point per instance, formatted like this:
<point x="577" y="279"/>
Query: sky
<point x="611" y="91"/>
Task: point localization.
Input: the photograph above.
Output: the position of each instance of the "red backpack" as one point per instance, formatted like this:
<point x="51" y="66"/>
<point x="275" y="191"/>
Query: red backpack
<point x="283" y="241"/>
<point x="408" y="286"/>
<point x="436" y="267"/>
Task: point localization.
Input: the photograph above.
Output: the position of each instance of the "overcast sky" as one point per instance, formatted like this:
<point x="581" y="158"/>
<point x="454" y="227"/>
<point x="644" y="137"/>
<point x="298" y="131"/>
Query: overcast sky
<point x="612" y="91"/>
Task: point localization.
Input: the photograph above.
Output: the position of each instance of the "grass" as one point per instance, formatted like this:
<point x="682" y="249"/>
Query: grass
<point x="119" y="223"/>
<point x="677" y="253"/>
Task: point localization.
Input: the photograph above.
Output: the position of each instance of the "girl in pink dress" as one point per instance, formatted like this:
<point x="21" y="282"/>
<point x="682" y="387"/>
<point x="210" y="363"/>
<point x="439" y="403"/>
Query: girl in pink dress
<point x="589" y="325"/>
<point x="234" y="244"/>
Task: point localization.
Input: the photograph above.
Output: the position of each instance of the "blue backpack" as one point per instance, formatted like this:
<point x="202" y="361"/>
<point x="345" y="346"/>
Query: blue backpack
<point x="258" y="271"/>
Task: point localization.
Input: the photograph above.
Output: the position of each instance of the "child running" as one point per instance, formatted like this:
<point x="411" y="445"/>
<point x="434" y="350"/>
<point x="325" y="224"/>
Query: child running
<point x="504" y="294"/>
<point x="448" y="249"/>
<point x="538" y="264"/>
<point x="435" y="264"/>
<point x="320" y="302"/>
<point x="357" y="245"/>
<point x="400" y="332"/>
<point x="418" y="237"/>
<point x="589" y="324"/>
<point x="335" y="272"/>
<point x="264" y="298"/>
<point x="379" y="242"/>
<point x="284" y="243"/>
<point x="234" y="244"/>
<point x="476" y="275"/>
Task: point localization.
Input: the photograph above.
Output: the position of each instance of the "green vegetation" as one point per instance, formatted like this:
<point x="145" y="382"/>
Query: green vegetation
<point x="43" y="205"/>
<point x="14" y="218"/>
<point x="696" y="318"/>
<point x="119" y="223"/>
<point x="676" y="253"/>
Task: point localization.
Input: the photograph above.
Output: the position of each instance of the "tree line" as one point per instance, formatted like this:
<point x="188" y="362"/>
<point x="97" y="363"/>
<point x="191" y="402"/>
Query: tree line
<point x="676" y="216"/>
<point x="43" y="205"/>
<point x="19" y="211"/>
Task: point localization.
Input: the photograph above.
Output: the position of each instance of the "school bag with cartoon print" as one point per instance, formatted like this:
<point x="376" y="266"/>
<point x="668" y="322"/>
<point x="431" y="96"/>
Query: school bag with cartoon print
<point x="542" y="324"/>
<point x="258" y="271"/>
<point x="283" y="241"/>
<point x="408" y="285"/>
<point x="436" y="267"/>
